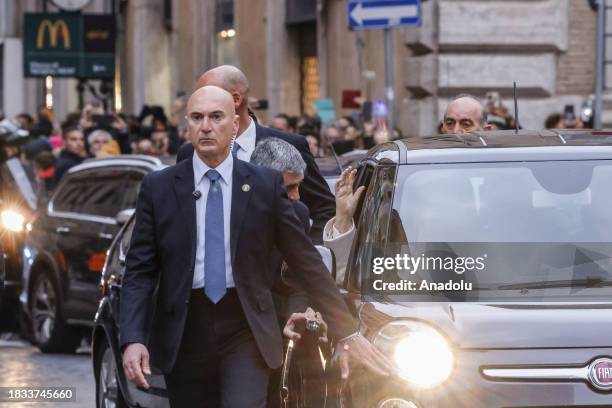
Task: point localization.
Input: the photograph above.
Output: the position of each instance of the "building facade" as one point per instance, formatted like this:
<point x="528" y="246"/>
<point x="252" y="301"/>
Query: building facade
<point x="463" y="46"/>
<point x="296" y="51"/>
<point x="162" y="46"/>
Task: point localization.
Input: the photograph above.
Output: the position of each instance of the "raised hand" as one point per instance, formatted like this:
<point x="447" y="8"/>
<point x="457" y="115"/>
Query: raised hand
<point x="346" y="200"/>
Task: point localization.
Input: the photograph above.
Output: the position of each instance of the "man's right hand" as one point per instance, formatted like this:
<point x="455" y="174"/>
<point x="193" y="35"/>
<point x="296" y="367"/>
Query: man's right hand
<point x="290" y="331"/>
<point x="136" y="364"/>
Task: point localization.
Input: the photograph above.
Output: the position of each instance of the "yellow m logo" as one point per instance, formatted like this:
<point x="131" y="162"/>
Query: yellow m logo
<point x="54" y="28"/>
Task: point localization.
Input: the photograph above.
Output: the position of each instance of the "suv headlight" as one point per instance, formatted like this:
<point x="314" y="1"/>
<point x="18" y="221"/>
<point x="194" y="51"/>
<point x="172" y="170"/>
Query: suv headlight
<point x="12" y="220"/>
<point x="423" y="356"/>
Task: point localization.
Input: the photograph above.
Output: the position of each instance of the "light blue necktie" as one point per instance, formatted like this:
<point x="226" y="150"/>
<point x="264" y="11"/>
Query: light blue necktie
<point x="235" y="148"/>
<point x="214" y="242"/>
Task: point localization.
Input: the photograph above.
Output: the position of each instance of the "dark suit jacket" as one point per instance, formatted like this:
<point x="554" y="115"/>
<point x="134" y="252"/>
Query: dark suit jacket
<point x="314" y="191"/>
<point x="162" y="255"/>
<point x="287" y="294"/>
<point x="303" y="214"/>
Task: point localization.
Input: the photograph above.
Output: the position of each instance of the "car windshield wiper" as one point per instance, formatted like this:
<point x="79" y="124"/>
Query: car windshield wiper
<point x="589" y="282"/>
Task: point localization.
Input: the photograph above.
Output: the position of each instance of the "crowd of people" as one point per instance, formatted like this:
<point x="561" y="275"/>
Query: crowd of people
<point x="345" y="134"/>
<point x="50" y="151"/>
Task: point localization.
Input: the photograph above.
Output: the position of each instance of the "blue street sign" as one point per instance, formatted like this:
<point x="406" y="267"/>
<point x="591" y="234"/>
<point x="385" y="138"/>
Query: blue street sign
<point x="367" y="14"/>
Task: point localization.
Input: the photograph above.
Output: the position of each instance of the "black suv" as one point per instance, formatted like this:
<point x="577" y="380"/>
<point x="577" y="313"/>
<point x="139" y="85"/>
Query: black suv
<point x="15" y="211"/>
<point x="66" y="247"/>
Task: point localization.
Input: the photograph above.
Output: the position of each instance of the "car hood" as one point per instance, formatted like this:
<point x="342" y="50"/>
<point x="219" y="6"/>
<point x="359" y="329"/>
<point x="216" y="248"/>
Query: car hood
<point x="522" y="325"/>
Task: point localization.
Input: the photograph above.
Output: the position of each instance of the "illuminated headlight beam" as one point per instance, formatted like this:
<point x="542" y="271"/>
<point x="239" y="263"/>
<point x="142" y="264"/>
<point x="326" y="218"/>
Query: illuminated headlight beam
<point x="12" y="220"/>
<point x="422" y="355"/>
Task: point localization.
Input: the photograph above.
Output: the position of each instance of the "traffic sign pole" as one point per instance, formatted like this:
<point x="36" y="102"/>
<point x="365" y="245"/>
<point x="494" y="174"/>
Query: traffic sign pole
<point x="389" y="81"/>
<point x="385" y="14"/>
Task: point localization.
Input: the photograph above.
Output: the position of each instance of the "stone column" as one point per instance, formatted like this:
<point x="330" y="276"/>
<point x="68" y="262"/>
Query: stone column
<point x="250" y="22"/>
<point x="418" y="112"/>
<point x="148" y="65"/>
<point x="341" y="59"/>
<point x="282" y="63"/>
<point x="322" y="38"/>
<point x="12" y="82"/>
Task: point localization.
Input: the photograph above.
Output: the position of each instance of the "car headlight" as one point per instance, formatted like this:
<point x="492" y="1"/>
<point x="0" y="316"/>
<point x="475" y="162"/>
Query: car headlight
<point x="422" y="355"/>
<point x="12" y="220"/>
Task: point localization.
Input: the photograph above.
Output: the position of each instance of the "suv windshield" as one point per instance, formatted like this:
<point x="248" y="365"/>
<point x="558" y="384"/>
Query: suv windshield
<point x="514" y="230"/>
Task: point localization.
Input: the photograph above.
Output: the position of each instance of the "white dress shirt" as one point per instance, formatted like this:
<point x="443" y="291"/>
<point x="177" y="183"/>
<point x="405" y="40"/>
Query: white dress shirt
<point x="202" y="183"/>
<point x="246" y="142"/>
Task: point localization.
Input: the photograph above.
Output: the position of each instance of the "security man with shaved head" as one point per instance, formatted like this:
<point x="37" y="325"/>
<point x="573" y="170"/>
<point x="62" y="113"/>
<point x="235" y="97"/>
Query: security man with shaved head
<point x="314" y="191"/>
<point x="202" y="238"/>
<point x="464" y="114"/>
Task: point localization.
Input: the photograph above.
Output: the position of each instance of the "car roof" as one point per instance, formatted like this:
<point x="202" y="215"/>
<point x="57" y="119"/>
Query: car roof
<point x="495" y="146"/>
<point x="129" y="160"/>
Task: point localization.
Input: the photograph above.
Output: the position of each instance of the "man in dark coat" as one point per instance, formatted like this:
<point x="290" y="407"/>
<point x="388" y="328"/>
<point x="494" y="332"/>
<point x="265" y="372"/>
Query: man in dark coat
<point x="73" y="152"/>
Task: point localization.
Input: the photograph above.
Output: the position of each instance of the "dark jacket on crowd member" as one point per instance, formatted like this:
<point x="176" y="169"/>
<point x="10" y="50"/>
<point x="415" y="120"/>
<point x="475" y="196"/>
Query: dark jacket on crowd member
<point x="36" y="146"/>
<point x="43" y="128"/>
<point x="65" y="162"/>
<point x="314" y="191"/>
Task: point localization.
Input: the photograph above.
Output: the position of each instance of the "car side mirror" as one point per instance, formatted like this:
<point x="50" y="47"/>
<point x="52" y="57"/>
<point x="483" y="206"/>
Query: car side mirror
<point x="124" y="216"/>
<point x="329" y="259"/>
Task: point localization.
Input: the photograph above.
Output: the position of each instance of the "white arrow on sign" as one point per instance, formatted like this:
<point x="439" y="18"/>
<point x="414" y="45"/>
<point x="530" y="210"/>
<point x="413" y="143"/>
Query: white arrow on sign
<point x="359" y="13"/>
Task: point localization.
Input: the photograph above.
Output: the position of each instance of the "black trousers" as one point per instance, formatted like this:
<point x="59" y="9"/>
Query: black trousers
<point x="218" y="364"/>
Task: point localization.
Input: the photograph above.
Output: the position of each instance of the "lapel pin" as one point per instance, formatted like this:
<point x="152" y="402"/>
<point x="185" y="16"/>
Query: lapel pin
<point x="246" y="188"/>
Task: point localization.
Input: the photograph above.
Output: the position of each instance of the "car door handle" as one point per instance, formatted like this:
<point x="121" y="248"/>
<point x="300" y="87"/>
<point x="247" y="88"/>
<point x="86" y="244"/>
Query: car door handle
<point x="62" y="230"/>
<point x="121" y="256"/>
<point x="105" y="235"/>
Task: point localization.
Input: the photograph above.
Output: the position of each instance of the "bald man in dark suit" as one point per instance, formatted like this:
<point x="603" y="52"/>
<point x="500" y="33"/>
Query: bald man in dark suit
<point x="314" y="191"/>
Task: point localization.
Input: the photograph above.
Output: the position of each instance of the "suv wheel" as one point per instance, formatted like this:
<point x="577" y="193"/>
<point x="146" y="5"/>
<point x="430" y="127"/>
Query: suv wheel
<point x="50" y="331"/>
<point x="108" y="392"/>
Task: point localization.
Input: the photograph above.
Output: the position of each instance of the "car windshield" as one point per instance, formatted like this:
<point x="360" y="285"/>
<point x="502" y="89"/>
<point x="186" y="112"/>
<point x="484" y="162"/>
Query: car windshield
<point x="514" y="230"/>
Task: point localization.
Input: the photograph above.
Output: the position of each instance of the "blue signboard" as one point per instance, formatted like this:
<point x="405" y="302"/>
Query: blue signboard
<point x="383" y="13"/>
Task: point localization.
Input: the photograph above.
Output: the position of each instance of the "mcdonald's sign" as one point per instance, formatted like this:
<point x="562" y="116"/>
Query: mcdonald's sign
<point x="55" y="29"/>
<point x="70" y="45"/>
